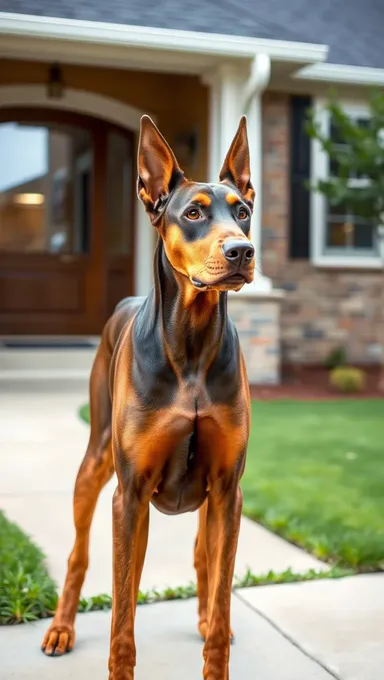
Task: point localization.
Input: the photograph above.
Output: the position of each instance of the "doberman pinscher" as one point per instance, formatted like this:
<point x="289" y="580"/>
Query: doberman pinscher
<point x="169" y="402"/>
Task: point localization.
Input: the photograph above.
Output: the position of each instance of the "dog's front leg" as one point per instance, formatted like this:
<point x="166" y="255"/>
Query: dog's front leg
<point x="130" y="535"/>
<point x="222" y="532"/>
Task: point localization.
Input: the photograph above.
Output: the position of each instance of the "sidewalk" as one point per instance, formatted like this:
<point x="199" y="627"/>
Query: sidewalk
<point x="338" y="622"/>
<point x="168" y="648"/>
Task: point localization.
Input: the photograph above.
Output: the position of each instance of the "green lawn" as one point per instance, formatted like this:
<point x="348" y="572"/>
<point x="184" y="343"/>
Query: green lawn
<point x="315" y="475"/>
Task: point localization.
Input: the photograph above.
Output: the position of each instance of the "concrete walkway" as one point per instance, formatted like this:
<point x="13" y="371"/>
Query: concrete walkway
<point x="310" y="631"/>
<point x="168" y="648"/>
<point x="42" y="442"/>
<point x="340" y="623"/>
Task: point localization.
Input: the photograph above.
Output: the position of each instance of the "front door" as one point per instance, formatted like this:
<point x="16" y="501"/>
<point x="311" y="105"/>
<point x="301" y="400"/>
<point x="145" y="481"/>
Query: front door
<point x="65" y="222"/>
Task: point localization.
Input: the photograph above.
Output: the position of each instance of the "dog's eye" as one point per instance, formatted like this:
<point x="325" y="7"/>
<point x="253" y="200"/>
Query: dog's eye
<point x="242" y="214"/>
<point x="193" y="214"/>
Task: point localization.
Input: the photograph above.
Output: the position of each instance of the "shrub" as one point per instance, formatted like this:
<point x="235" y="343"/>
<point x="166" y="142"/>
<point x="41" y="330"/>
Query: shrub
<point x="337" y="357"/>
<point x="347" y="379"/>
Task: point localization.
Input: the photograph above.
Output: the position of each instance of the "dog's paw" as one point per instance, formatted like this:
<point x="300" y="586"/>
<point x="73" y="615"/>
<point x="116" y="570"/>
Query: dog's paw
<point x="58" y="640"/>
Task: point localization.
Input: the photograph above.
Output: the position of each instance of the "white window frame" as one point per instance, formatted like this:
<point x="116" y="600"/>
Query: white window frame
<point x="318" y="202"/>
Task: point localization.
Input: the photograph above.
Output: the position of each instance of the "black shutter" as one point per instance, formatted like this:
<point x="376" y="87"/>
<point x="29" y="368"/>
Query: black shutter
<point x="300" y="174"/>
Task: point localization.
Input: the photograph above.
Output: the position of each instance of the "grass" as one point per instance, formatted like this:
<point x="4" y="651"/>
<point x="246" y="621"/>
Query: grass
<point x="315" y="475"/>
<point x="249" y="580"/>
<point x="84" y="412"/>
<point x="27" y="592"/>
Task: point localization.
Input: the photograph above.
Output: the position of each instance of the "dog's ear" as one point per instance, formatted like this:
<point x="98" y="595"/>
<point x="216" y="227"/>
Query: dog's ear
<point x="236" y="169"/>
<point x="158" y="169"/>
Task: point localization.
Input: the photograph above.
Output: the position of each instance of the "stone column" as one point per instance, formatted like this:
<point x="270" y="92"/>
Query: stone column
<point x="257" y="319"/>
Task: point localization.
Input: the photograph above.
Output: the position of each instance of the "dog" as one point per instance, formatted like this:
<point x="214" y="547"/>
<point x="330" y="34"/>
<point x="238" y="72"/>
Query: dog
<point x="170" y="402"/>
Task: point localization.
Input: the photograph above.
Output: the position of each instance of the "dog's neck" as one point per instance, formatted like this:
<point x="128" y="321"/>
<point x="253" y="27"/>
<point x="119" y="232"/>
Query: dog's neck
<point x="193" y="322"/>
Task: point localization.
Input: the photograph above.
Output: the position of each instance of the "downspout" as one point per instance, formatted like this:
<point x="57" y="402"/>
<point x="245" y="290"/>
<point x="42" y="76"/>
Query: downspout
<point x="258" y="79"/>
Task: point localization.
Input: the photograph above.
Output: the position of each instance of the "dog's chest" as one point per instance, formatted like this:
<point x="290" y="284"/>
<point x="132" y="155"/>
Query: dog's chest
<point x="192" y="398"/>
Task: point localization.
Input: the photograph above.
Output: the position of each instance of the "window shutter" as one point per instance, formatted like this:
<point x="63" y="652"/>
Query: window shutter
<point x="300" y="174"/>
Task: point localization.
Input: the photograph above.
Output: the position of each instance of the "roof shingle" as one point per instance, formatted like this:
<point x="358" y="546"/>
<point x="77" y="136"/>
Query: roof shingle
<point x="352" y="29"/>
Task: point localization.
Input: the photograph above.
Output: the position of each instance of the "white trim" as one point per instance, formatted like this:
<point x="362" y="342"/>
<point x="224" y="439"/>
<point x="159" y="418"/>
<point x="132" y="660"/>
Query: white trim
<point x="157" y="38"/>
<point x="318" y="203"/>
<point x="73" y="100"/>
<point x="337" y="262"/>
<point x="338" y="73"/>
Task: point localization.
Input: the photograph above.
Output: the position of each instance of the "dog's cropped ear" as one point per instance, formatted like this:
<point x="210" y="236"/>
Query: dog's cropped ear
<point x="236" y="169"/>
<point x="158" y="169"/>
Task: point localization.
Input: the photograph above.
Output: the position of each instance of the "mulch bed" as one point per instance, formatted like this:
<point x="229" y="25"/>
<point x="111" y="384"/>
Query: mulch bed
<point x="312" y="384"/>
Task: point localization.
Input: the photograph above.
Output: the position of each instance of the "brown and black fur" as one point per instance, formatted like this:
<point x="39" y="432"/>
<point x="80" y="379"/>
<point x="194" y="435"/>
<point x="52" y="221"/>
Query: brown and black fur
<point x="169" y="402"/>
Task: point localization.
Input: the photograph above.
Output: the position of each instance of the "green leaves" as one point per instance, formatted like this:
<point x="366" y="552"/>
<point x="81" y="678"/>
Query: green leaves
<point x="357" y="151"/>
<point x="27" y="592"/>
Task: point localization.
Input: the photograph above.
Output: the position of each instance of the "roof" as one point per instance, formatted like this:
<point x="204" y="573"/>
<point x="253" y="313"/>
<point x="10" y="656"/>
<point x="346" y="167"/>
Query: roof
<point x="353" y="30"/>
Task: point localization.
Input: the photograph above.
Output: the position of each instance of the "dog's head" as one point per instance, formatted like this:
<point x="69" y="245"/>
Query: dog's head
<point x="204" y="227"/>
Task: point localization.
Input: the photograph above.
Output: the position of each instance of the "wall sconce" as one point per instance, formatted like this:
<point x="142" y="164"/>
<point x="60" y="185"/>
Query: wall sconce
<point x="55" y="86"/>
<point x="185" y="146"/>
<point x="28" y="199"/>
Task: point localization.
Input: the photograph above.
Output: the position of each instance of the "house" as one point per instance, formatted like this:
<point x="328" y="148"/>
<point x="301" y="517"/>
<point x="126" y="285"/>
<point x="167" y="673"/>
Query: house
<point x="75" y="79"/>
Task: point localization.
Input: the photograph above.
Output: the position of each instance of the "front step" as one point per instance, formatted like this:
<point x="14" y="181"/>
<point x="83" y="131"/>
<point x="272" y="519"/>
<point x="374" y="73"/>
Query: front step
<point x="59" y="359"/>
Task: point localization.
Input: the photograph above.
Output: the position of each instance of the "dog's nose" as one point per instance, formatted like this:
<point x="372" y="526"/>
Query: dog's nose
<point x="238" y="252"/>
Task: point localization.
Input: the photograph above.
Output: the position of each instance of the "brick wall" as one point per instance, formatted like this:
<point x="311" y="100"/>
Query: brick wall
<point x="322" y="308"/>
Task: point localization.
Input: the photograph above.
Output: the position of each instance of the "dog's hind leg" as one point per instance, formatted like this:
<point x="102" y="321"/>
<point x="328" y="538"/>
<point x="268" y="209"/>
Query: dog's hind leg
<point x="200" y="563"/>
<point x="95" y="471"/>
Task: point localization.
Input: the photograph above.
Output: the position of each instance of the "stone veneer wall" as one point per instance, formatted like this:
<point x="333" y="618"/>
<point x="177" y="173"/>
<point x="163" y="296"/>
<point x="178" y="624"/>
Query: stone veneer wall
<point x="257" y="319"/>
<point x="322" y="308"/>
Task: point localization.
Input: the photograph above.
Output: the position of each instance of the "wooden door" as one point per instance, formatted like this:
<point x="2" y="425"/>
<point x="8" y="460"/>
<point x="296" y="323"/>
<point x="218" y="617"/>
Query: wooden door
<point x="60" y="269"/>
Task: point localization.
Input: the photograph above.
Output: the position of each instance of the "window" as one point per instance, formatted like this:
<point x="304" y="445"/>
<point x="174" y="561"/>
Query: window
<point x="340" y="238"/>
<point x="45" y="188"/>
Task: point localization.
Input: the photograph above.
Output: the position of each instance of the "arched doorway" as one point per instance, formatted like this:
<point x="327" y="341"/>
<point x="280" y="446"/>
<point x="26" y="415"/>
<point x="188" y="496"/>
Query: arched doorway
<point x="66" y="221"/>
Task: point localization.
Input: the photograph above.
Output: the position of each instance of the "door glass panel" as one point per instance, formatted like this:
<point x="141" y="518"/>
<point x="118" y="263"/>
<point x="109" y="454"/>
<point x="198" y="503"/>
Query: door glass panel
<point x="45" y="188"/>
<point x="119" y="194"/>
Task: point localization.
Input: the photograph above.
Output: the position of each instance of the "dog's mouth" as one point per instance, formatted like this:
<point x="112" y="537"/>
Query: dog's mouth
<point x="231" y="282"/>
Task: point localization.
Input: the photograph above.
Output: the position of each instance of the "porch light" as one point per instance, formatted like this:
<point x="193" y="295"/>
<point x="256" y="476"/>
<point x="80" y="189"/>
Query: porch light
<point x="55" y="85"/>
<point x="28" y="199"/>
